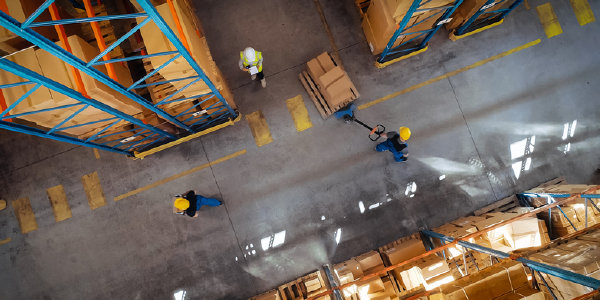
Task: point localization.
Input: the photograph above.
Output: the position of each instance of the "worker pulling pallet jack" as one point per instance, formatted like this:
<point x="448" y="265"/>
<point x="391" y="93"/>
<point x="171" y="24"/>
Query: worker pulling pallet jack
<point x="396" y="141"/>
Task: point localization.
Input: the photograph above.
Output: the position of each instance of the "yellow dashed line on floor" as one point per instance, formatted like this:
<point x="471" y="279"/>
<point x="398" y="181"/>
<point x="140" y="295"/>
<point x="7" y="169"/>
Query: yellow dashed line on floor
<point x="260" y="129"/>
<point x="25" y="215"/>
<point x="2" y="242"/>
<point x="93" y="190"/>
<point x="59" y="202"/>
<point x="583" y="11"/>
<point x="299" y="113"/>
<point x="549" y="20"/>
<point x="96" y="153"/>
<point x="436" y="79"/>
<point x="184" y="173"/>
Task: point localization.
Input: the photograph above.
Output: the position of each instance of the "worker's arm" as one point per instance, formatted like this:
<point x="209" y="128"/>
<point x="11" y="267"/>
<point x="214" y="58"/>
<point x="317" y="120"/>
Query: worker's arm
<point x="384" y="135"/>
<point x="242" y="67"/>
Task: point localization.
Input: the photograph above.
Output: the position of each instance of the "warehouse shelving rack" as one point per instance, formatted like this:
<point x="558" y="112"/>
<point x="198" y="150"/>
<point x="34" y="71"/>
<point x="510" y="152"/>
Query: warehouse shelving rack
<point x="419" y="40"/>
<point x="490" y="18"/>
<point x="535" y="267"/>
<point x="145" y="136"/>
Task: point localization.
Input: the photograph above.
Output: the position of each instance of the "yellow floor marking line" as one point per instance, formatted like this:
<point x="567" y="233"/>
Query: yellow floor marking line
<point x="96" y="153"/>
<point x="259" y="128"/>
<point x="2" y="204"/>
<point x="2" y="242"/>
<point x="583" y="11"/>
<point x="299" y="113"/>
<point x="549" y="20"/>
<point x="93" y="190"/>
<point x="176" y="176"/>
<point x="59" y="202"/>
<point x="25" y="215"/>
<point x="436" y="79"/>
<point x="454" y="37"/>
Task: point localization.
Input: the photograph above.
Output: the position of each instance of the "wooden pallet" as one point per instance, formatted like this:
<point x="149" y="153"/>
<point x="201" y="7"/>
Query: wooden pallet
<point x="503" y="205"/>
<point x="362" y="6"/>
<point x="161" y="91"/>
<point x="296" y="289"/>
<point x="269" y="292"/>
<point x="555" y="181"/>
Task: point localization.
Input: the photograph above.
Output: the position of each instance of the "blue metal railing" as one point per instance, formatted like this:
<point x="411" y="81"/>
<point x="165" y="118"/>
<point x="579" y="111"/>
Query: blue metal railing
<point x="418" y="40"/>
<point x="200" y="118"/>
<point x="484" y="17"/>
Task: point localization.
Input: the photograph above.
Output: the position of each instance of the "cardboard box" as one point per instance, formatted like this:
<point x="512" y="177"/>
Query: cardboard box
<point x="378" y="41"/>
<point x="523" y="293"/>
<point x="469" y="7"/>
<point x="593" y="236"/>
<point x="372" y="286"/>
<point x="352" y="266"/>
<point x="337" y="89"/>
<point x="526" y="240"/>
<point x="457" y="20"/>
<point x="569" y="188"/>
<point x="380" y="18"/>
<point x="558" y="219"/>
<point x="542" y="226"/>
<point x="433" y="266"/>
<point x="320" y="65"/>
<point x="537" y="201"/>
<point x="370" y="262"/>
<point x="489" y="283"/>
<point x="405" y="251"/>
<point x="467" y="221"/>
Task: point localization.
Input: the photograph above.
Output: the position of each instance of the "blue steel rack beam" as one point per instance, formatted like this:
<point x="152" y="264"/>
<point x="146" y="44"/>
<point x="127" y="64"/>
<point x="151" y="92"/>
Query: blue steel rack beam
<point x="496" y="16"/>
<point x="14" y="26"/>
<point x="39" y="81"/>
<point x="198" y="121"/>
<point x="426" y="34"/>
<point x="534" y="265"/>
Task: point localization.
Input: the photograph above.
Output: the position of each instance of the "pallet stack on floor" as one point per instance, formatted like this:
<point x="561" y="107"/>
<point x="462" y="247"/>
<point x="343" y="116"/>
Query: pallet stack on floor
<point x="179" y="68"/>
<point x="328" y="85"/>
<point x="383" y="16"/>
<point x="574" y="210"/>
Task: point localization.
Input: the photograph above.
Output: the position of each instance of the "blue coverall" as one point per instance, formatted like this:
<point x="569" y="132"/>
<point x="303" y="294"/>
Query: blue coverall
<point x="201" y="200"/>
<point x="388" y="145"/>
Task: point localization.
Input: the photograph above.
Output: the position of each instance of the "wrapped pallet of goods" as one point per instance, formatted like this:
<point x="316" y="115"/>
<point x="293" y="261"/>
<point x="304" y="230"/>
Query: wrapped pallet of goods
<point x="383" y="17"/>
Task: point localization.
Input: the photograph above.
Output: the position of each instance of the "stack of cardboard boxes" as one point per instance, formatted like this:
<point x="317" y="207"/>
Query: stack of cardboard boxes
<point x="506" y="280"/>
<point x="303" y="288"/>
<point x="156" y="42"/>
<point x="580" y="255"/>
<point x="358" y="267"/>
<point x="574" y="210"/>
<point x="332" y="82"/>
<point x="383" y="16"/>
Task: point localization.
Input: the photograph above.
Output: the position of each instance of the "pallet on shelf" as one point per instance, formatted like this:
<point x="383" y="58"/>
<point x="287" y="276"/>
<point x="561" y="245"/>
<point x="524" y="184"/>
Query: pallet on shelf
<point x="107" y="30"/>
<point x="503" y="205"/>
<point x="303" y="287"/>
<point x="362" y="6"/>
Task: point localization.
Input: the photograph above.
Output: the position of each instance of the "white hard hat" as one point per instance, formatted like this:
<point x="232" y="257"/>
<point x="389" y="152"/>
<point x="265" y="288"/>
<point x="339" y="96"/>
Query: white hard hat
<point x="250" y="54"/>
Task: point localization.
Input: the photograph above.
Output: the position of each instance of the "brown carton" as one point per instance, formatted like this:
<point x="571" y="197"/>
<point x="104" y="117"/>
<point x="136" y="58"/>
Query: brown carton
<point x="377" y="40"/>
<point x="405" y="251"/>
<point x="370" y="262"/>
<point x="337" y="88"/>
<point x="381" y="20"/>
<point x="467" y="221"/>
<point x="523" y="293"/>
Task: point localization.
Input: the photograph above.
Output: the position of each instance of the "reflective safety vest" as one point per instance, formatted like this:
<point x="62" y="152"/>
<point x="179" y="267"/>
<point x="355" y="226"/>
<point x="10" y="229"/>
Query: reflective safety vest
<point x="252" y="63"/>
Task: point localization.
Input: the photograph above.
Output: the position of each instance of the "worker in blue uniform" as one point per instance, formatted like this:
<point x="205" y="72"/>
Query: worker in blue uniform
<point x="395" y="143"/>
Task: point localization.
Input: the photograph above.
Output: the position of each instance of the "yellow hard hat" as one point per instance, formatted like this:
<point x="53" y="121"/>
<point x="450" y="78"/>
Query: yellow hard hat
<point x="405" y="133"/>
<point x="182" y="203"/>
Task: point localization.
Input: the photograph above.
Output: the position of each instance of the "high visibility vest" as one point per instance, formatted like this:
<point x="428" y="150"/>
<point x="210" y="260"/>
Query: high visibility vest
<point x="252" y="63"/>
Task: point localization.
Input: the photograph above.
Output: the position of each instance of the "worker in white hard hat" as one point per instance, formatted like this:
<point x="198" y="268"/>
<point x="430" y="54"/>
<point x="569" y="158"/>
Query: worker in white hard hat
<point x="251" y="61"/>
<point x="395" y="143"/>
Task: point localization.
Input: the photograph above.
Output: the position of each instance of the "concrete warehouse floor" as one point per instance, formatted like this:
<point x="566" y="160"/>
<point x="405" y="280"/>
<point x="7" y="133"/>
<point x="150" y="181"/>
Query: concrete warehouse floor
<point x="468" y="131"/>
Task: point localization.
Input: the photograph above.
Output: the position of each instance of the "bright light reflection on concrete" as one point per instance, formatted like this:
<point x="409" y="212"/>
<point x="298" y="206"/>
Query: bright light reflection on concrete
<point x="361" y="206"/>
<point x="272" y="241"/>
<point x="376" y="205"/>
<point x="179" y="295"/>
<point x="517" y="149"/>
<point x="527" y="163"/>
<point x="338" y="235"/>
<point x="517" y="169"/>
<point x="442" y="177"/>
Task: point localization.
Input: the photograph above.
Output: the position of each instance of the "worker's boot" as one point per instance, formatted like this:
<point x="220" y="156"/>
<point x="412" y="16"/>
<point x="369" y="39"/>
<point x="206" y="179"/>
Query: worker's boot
<point x="253" y="77"/>
<point x="263" y="82"/>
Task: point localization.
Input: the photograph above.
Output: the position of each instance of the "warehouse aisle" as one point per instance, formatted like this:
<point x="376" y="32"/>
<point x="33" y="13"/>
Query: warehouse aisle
<point x="322" y="195"/>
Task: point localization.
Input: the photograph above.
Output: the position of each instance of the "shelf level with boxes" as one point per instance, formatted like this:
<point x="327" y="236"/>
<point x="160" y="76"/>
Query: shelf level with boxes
<point x="396" y="29"/>
<point x="65" y="84"/>
<point x="473" y="16"/>
<point x="488" y="256"/>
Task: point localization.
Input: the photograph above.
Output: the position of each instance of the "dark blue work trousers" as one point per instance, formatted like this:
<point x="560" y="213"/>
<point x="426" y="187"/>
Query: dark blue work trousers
<point x="387" y="145"/>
